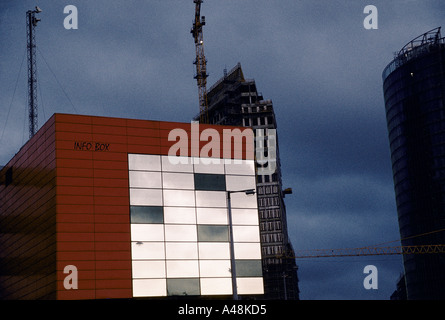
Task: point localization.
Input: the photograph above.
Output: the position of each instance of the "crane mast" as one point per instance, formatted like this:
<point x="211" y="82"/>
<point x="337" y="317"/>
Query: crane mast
<point x="200" y="62"/>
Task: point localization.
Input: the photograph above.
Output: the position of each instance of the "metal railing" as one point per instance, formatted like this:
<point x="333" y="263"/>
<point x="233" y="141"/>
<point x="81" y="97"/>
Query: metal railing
<point x="416" y="47"/>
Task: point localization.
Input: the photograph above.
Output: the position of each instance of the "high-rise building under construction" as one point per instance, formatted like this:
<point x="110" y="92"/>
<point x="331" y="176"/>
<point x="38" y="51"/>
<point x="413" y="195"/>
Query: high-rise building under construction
<point x="414" y="89"/>
<point x="235" y="100"/>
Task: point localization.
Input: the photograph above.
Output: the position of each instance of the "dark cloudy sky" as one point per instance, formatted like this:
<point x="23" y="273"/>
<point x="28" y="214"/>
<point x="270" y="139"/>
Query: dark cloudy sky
<point x="312" y="58"/>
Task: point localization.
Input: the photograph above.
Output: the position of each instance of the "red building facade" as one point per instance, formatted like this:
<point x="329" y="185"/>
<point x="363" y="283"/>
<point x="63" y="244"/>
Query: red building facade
<point x="65" y="201"/>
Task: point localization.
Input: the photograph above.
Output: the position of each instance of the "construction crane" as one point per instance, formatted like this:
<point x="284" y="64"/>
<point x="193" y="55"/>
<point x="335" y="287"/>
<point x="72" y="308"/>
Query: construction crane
<point x="376" y="250"/>
<point x="367" y="251"/>
<point x="31" y="23"/>
<point x="200" y="62"/>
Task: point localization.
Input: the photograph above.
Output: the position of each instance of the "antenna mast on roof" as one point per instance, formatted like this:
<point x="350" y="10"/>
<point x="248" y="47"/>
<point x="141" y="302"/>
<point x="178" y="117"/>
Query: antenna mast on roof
<point x="31" y="23"/>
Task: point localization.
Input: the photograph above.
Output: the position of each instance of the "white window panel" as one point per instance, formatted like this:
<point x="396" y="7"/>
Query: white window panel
<point x="242" y="200"/>
<point x="211" y="216"/>
<point x="145" y="179"/>
<point x="250" y="285"/>
<point x="177" y="164"/>
<point x="245" y="217"/>
<point x="208" y="165"/>
<point x="148" y="269"/>
<point x="211" y="199"/>
<point x="235" y="183"/>
<point x="179" y="215"/>
<point x="173" y="180"/>
<point x="214" y="268"/>
<point x="214" y="250"/>
<point x="246" y="234"/>
<point x="241" y="167"/>
<point x="181" y="250"/>
<point x="179" y="198"/>
<point x="149" y="287"/>
<point x="147" y="250"/>
<point x="146" y="197"/>
<point x="216" y="286"/>
<point x="147" y="232"/>
<point x="178" y="232"/>
<point x="182" y="269"/>
<point x="144" y="162"/>
<point x="247" y="250"/>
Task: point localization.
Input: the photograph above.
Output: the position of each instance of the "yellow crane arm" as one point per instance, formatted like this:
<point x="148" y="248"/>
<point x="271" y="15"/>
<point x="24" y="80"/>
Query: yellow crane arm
<point x="368" y="251"/>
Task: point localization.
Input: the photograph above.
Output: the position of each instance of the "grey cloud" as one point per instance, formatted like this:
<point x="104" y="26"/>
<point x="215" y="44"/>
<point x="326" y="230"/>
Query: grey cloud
<point x="314" y="59"/>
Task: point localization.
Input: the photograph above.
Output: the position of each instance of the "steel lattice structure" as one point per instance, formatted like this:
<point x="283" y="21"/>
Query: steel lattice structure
<point x="369" y="251"/>
<point x="200" y="62"/>
<point x="31" y="23"/>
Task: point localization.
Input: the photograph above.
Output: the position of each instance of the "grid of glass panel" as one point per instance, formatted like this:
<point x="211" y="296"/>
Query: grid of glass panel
<point x="179" y="226"/>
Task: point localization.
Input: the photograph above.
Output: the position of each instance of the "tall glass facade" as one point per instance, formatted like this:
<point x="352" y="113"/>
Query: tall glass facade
<point x="414" y="92"/>
<point x="180" y="229"/>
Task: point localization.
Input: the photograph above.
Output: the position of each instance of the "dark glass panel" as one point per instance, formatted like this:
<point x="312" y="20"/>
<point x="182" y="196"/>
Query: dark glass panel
<point x="146" y="214"/>
<point x="210" y="182"/>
